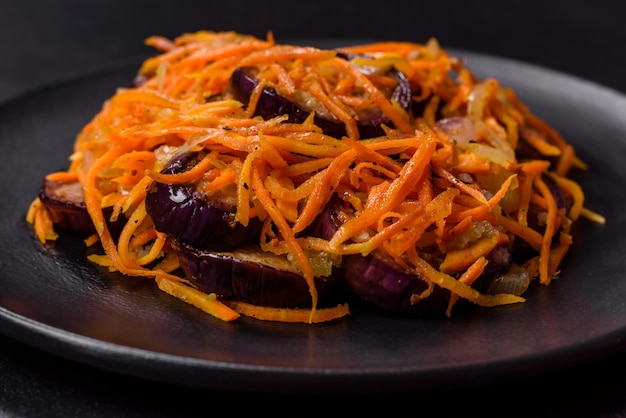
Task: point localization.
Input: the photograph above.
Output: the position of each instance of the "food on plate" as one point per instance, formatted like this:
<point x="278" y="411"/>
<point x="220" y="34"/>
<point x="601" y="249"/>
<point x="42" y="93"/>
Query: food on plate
<point x="277" y="181"/>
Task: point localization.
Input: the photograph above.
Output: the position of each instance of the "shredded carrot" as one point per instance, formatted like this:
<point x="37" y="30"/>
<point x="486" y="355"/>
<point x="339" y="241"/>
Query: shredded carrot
<point x="550" y="230"/>
<point x="62" y="176"/>
<point x="453" y="285"/>
<point x="269" y="313"/>
<point x="437" y="201"/>
<point x="460" y="260"/>
<point x="455" y="182"/>
<point x="323" y="190"/>
<point x="411" y="173"/>
<point x="206" y="302"/>
<point x="470" y="275"/>
<point x="40" y="218"/>
<point x="91" y="240"/>
<point x="185" y="177"/>
<point x="288" y="235"/>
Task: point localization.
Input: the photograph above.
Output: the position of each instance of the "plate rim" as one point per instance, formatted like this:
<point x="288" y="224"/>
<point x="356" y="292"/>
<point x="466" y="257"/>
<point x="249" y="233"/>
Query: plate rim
<point x="131" y="361"/>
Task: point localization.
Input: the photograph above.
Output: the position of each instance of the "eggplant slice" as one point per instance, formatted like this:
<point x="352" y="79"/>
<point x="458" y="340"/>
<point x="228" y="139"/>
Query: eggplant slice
<point x="250" y="275"/>
<point x="272" y="104"/>
<point x="179" y="211"/>
<point x="66" y="204"/>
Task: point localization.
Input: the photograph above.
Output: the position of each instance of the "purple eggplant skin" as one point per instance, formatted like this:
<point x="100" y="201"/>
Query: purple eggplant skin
<point x="251" y="276"/>
<point x="66" y="204"/>
<point x="178" y="211"/>
<point x="381" y="281"/>
<point x="271" y="104"/>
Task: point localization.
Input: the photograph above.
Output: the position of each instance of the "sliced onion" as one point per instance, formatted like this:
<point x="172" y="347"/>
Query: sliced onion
<point x="459" y="129"/>
<point x="515" y="282"/>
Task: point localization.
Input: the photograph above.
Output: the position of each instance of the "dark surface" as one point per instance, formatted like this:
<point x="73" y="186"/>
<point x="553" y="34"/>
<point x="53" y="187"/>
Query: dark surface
<point x="44" y="42"/>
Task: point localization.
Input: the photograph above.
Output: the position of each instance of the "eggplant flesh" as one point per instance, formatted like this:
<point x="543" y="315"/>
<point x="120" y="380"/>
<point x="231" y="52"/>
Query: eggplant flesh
<point x="271" y="104"/>
<point x="66" y="204"/>
<point x="250" y="275"/>
<point x="177" y="210"/>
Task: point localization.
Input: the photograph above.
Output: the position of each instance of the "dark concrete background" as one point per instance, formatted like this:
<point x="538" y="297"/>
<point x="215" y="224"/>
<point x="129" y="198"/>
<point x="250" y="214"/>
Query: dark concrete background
<point x="43" y="41"/>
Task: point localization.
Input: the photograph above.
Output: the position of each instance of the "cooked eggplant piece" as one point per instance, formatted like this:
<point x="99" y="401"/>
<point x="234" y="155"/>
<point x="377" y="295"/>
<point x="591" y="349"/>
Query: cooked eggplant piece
<point x="66" y="204"/>
<point x="250" y="275"/>
<point x="376" y="278"/>
<point x="179" y="211"/>
<point x="272" y="104"/>
<point x="379" y="280"/>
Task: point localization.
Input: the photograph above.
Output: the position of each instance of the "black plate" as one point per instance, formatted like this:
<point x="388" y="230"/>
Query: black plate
<point x="53" y="299"/>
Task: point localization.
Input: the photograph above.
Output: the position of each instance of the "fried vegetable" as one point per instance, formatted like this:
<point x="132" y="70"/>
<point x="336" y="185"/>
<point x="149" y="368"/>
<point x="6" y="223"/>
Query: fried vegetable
<point x="205" y="222"/>
<point x="300" y="104"/>
<point x="225" y="162"/>
<point x="252" y="276"/>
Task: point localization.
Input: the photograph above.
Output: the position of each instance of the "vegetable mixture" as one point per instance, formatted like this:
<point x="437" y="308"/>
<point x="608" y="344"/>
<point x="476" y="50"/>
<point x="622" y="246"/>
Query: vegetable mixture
<point x="248" y="177"/>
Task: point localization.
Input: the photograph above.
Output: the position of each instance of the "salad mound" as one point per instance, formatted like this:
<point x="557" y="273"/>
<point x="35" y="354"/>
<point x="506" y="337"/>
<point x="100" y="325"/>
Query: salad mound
<point x="249" y="177"/>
